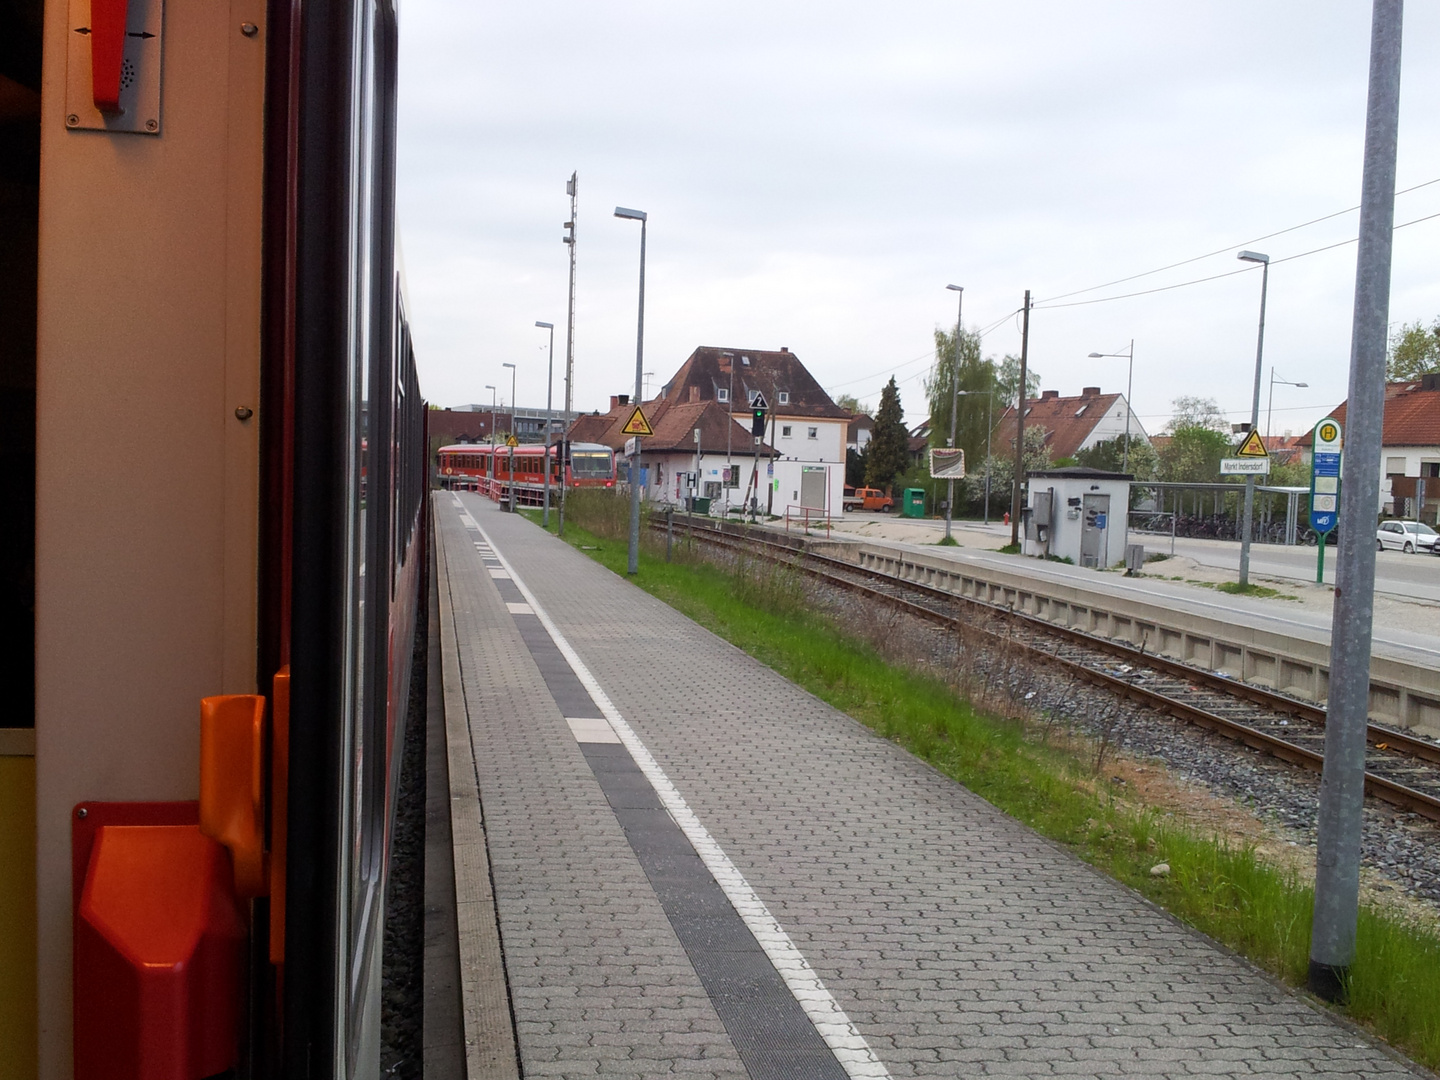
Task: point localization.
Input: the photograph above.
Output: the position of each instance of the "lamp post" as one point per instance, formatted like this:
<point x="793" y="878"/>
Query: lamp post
<point x="959" y="291"/>
<point x="1270" y="405"/>
<point x="492" y="411"/>
<point x="989" y="409"/>
<point x="729" y="434"/>
<point x="512" y="435"/>
<point x="633" y="564"/>
<point x="549" y="419"/>
<point x="1264" y="261"/>
<point x="1129" y="383"/>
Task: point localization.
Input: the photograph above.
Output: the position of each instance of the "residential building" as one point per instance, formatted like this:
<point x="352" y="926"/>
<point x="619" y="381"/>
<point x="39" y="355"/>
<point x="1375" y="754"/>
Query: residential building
<point x="730" y="466"/>
<point x="1410" y="449"/>
<point x="807" y="430"/>
<point x="859" y="431"/>
<point x="1071" y="424"/>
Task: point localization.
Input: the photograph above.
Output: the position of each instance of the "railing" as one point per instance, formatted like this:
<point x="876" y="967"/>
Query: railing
<point x="807" y="518"/>
<point x="1156" y="524"/>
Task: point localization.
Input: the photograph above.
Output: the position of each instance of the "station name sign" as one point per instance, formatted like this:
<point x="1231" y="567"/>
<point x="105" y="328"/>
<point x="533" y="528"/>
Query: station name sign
<point x="1240" y="466"/>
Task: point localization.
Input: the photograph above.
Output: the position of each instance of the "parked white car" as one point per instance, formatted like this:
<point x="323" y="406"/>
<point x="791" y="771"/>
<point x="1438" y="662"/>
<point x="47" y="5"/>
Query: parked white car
<point x="1407" y="536"/>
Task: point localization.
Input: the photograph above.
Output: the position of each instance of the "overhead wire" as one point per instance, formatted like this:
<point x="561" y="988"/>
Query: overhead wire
<point x="1049" y="300"/>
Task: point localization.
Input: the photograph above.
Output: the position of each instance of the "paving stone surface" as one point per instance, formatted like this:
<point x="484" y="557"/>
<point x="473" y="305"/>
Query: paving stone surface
<point x="959" y="942"/>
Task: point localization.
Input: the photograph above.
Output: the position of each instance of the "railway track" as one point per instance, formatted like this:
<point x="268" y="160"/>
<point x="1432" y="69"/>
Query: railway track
<point x="1400" y="769"/>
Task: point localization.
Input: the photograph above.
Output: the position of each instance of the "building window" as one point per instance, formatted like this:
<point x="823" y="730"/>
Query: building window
<point x="712" y="489"/>
<point x="722" y="394"/>
<point x="814" y="433"/>
<point x="785" y="431"/>
<point x="784" y="397"/>
<point x="1395" y="466"/>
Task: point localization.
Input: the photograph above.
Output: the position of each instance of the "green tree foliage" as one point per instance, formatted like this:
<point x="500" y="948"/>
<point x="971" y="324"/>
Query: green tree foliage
<point x="855" y="467"/>
<point x="1414" y="351"/>
<point x="1197" y="412"/>
<point x="1110" y="456"/>
<point x="1199" y="438"/>
<point x="976" y="379"/>
<point x="853" y="405"/>
<point x="887" y="455"/>
<point x="1007" y="380"/>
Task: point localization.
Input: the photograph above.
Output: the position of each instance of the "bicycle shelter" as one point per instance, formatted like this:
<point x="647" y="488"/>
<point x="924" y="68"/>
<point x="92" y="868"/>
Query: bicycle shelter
<point x="1214" y="509"/>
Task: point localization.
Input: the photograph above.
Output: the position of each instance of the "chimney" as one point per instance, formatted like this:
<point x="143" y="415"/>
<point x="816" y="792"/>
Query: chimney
<point x="1430" y="380"/>
<point x="694" y="393"/>
<point x="614" y="402"/>
<point x="1090" y="391"/>
<point x="1046" y="395"/>
<point x="784" y="348"/>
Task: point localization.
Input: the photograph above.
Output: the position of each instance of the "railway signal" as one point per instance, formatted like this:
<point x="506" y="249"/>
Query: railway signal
<point x="758" y="410"/>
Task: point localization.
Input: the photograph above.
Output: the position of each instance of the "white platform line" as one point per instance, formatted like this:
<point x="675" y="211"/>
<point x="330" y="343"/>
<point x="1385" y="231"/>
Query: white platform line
<point x="830" y="1020"/>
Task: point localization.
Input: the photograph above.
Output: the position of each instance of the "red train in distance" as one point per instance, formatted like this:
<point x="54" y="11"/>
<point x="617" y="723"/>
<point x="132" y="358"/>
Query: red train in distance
<point x="485" y="468"/>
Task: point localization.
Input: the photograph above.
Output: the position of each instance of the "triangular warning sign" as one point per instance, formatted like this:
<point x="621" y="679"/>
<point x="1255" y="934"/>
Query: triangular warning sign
<point x="1252" y="446"/>
<point x="759" y="402"/>
<point x="637" y="424"/>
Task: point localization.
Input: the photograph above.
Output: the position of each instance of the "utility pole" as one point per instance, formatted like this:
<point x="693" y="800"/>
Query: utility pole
<point x="1342" y="784"/>
<point x="633" y="565"/>
<point x="1264" y="260"/>
<point x="729" y="434"/>
<point x="959" y="291"/>
<point x="1020" y="427"/>
<point x="572" y="188"/>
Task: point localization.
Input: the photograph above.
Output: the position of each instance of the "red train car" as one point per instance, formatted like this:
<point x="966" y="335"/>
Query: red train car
<point x="486" y="468"/>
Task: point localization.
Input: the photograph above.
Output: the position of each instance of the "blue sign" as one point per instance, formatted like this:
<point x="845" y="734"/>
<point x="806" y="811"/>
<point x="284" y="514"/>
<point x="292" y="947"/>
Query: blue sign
<point x="1099" y="521"/>
<point x="1325" y="477"/>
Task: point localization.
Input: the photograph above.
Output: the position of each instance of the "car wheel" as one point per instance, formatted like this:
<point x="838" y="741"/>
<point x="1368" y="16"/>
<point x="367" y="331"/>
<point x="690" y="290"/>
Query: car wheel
<point x="1379" y="545"/>
<point x="1409" y="549"/>
<point x="884" y="509"/>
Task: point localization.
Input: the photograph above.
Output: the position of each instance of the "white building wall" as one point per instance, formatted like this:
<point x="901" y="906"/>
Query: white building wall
<point x="798" y="448"/>
<point x="1112" y="425"/>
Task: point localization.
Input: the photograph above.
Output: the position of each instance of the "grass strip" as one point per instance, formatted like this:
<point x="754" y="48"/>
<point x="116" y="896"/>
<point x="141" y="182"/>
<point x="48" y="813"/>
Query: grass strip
<point x="1217" y="886"/>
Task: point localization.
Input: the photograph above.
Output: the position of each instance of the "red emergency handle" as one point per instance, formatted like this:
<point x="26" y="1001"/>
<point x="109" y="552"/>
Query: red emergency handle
<point x="107" y="51"/>
<point x="159" y="954"/>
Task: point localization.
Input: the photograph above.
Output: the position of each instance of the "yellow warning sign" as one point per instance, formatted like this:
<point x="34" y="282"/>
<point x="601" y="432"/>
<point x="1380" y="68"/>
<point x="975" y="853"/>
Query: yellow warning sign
<point x="637" y="424"/>
<point x="512" y="441"/>
<point x="1252" y="446"/>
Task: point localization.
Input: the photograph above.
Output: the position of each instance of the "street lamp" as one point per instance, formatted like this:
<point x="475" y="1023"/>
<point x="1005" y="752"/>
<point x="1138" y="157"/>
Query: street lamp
<point x="959" y="291"/>
<point x="1270" y="405"/>
<point x="1264" y="261"/>
<point x="989" y="408"/>
<point x="513" y="437"/>
<point x="729" y="432"/>
<point x="1129" y="383"/>
<point x="549" y="419"/>
<point x="633" y="564"/>
<point x="492" y="412"/>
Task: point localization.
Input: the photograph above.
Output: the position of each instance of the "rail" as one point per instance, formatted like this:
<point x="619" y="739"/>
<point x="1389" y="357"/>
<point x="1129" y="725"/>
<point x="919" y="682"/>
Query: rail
<point x="1396" y="760"/>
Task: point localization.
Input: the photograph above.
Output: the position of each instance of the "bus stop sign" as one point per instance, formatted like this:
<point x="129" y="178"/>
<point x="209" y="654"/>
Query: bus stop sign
<point x="1325" y="476"/>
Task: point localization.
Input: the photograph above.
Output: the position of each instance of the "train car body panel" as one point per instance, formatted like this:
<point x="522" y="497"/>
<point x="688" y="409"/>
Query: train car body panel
<point x="147" y="482"/>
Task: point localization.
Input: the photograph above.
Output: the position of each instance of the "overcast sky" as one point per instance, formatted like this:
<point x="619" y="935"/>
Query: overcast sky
<point x="816" y="174"/>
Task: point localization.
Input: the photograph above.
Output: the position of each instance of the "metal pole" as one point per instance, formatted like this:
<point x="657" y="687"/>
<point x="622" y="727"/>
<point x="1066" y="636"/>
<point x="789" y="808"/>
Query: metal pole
<point x="1269" y="407"/>
<point x="1254" y="423"/>
<point x="1342" y="785"/>
<point x="549" y="422"/>
<point x="989" y="427"/>
<point x="1129" y="386"/>
<point x="954" y="402"/>
<point x="633" y="564"/>
<point x="1020" y="428"/>
<point x="729" y="434"/>
<point x="573" y="187"/>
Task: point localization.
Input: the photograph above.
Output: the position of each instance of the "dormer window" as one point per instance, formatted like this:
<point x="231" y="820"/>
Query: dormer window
<point x="1081" y="411"/>
<point x="783" y="397"/>
<point x="745" y="360"/>
<point x="722" y="394"/>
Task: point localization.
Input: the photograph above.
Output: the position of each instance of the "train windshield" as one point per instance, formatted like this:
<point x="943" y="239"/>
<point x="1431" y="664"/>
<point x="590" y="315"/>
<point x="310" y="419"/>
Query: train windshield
<point x="590" y="463"/>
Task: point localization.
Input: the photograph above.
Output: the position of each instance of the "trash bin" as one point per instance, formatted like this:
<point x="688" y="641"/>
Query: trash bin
<point x="913" y="504"/>
<point x="699" y="504"/>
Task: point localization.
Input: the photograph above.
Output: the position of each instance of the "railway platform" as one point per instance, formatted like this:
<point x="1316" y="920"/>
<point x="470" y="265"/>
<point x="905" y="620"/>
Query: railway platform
<point x="669" y="860"/>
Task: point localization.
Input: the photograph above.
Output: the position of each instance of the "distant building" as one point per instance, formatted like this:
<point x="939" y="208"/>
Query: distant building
<point x="859" y="431"/>
<point x="1072" y="424"/>
<point x="1410" y="449"/>
<point x="726" y="457"/>
<point x="808" y="431"/>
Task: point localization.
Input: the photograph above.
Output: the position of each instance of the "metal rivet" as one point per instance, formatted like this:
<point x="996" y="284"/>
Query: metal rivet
<point x="82" y="812"/>
<point x="151" y="125"/>
<point x="243" y="412"/>
<point x="72" y="119"/>
<point x="249" y="29"/>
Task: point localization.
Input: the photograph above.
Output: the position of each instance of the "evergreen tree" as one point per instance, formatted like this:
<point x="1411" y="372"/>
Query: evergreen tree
<point x="888" y="452"/>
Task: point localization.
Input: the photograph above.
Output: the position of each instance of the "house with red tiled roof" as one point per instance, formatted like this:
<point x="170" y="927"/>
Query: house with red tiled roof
<point x="1410" y="448"/>
<point x="725" y="456"/>
<point x="806" y="428"/>
<point x="1071" y="424"/>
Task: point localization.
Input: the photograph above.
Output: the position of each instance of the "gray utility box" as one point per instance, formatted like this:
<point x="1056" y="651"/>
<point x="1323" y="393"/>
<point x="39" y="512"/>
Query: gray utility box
<point x="1078" y="514"/>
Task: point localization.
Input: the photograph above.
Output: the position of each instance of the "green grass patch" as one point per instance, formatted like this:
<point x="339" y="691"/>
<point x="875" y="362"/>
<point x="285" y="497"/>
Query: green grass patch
<point x="1215" y="884"/>
<point x="1262" y="591"/>
<point x="1009" y="549"/>
<point x="947" y="541"/>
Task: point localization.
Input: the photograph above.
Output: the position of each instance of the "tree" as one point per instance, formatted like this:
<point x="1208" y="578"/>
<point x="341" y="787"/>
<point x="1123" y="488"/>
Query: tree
<point x="1193" y="455"/>
<point x="888" y="452"/>
<point x="1197" y="412"/>
<point x="1414" y="351"/>
<point x="1007" y="379"/>
<point x="1110" y="456"/>
<point x="855" y="466"/>
<point x="976" y="380"/>
<point x="853" y="405"/>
